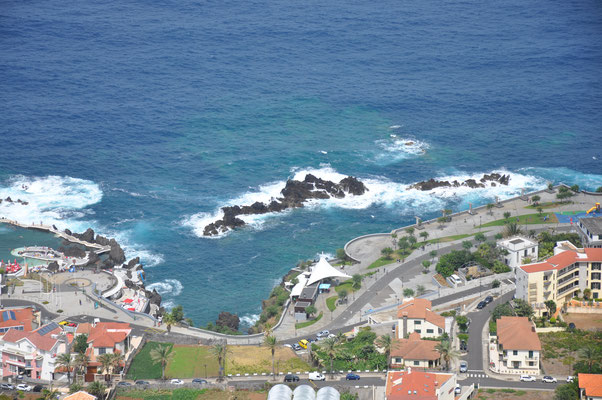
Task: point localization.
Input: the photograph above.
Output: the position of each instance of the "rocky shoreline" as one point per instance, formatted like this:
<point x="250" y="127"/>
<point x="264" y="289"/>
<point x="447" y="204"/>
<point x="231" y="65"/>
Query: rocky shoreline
<point x="492" y="180"/>
<point x="294" y="195"/>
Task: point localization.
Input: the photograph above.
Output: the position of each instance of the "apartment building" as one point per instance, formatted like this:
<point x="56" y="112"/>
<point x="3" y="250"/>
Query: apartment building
<point x="516" y="348"/>
<point x="415" y="315"/>
<point x="519" y="249"/>
<point x="561" y="277"/>
<point x="590" y="230"/>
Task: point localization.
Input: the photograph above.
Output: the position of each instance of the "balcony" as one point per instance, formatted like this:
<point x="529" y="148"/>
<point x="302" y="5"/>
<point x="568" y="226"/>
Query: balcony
<point x="16" y="362"/>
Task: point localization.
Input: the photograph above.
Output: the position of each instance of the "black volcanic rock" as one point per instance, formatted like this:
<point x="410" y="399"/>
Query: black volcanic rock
<point x="493" y="178"/>
<point x="116" y="254"/>
<point x="294" y="194"/>
<point x="132" y="263"/>
<point x="93" y="258"/>
<point x="87" y="236"/>
<point x="101" y="240"/>
<point x="226" y="319"/>
<point x="68" y="232"/>
<point x="72" y="251"/>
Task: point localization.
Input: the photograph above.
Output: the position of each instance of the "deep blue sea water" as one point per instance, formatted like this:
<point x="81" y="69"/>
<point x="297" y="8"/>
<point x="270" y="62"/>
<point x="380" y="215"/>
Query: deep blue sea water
<point x="141" y="119"/>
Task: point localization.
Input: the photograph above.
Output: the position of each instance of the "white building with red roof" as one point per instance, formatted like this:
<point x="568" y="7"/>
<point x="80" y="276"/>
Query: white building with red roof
<point x="590" y="386"/>
<point x="105" y="338"/>
<point x="412" y="384"/>
<point x="561" y="277"/>
<point x="415" y="315"/>
<point x="414" y="352"/>
<point x="516" y="349"/>
<point x="32" y="354"/>
<point x="21" y="319"/>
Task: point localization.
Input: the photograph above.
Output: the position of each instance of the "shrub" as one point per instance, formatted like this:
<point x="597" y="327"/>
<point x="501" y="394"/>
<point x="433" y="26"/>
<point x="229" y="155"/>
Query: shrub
<point x="552" y="320"/>
<point x="59" y="311"/>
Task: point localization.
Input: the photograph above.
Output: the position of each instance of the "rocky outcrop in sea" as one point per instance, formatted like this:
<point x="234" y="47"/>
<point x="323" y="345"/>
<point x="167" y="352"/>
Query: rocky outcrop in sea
<point x="294" y="195"/>
<point x="488" y="180"/>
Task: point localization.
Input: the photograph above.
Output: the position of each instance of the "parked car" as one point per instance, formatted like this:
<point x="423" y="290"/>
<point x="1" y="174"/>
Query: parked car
<point x="352" y="377"/>
<point x="549" y="379"/>
<point x="316" y="376"/>
<point x="63" y="322"/>
<point x="481" y="305"/>
<point x="291" y="378"/>
<point x="20" y="377"/>
<point x="458" y="389"/>
<point x="527" y="378"/>
<point x="24" y="387"/>
<point x="296" y="347"/>
<point x="463" y="346"/>
<point x="199" y="381"/>
<point x="7" y="386"/>
<point x="332" y="336"/>
<point x="488" y="299"/>
<point x="142" y="383"/>
<point x="290" y="346"/>
<point x="570" y="379"/>
<point x="37" y="388"/>
<point x="124" y="383"/>
<point x="176" y="382"/>
<point x="303" y="343"/>
<point x="463" y="366"/>
<point x="323" y="333"/>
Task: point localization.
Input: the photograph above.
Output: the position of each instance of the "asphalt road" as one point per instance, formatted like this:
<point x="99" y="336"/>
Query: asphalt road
<point x="337" y="382"/>
<point x="47" y="315"/>
<point x="500" y="383"/>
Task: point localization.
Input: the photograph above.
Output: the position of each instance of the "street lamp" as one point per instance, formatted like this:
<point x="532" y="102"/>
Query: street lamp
<point x="205" y="371"/>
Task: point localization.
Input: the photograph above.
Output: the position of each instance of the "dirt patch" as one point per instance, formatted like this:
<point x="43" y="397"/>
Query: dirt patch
<point x="511" y="394"/>
<point x="590" y="322"/>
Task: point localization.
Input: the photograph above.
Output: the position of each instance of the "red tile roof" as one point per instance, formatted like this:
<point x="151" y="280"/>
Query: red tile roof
<point x="44" y="342"/>
<point x="517" y="333"/>
<point x="415" y="349"/>
<point x="107" y="334"/>
<point x="592" y="383"/>
<point x="564" y="259"/>
<point x="420" y="309"/>
<point x="399" y="383"/>
<point x="81" y="395"/>
<point x="23" y="318"/>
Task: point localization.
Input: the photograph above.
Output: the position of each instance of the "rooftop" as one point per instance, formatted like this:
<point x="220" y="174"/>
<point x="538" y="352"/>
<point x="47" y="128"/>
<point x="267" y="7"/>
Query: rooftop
<point x="593" y="225"/>
<point x="44" y="338"/>
<point x="81" y="395"/>
<point x="517" y="333"/>
<point x="591" y="383"/>
<point x="564" y="259"/>
<point x="107" y="334"/>
<point x="517" y="243"/>
<point x="415" y="349"/>
<point x="17" y="317"/>
<point x="410" y="384"/>
<point x="420" y="309"/>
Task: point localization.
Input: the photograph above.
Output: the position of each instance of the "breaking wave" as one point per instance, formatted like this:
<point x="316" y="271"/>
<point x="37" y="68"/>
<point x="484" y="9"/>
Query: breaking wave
<point x="168" y="287"/>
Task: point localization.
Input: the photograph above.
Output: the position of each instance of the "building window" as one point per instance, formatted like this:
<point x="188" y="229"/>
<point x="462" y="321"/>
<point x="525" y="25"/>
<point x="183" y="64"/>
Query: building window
<point x="514" y="352"/>
<point x="595" y="276"/>
<point x="102" y="350"/>
<point x="595" y="285"/>
<point x="429" y="331"/>
<point x="530" y="353"/>
<point x="417" y="330"/>
<point x="596" y="266"/>
<point x="417" y="322"/>
<point x="397" y="360"/>
<point x="416" y="362"/>
<point x="531" y="364"/>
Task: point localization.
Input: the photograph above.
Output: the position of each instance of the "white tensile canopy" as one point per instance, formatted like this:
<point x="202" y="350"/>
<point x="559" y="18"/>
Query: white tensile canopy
<point x="323" y="270"/>
<point x="298" y="288"/>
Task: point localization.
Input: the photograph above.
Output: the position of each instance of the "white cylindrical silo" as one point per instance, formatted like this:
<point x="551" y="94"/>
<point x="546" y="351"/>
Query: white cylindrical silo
<point x="304" y="392"/>
<point x="328" y="393"/>
<point x="280" y="392"/>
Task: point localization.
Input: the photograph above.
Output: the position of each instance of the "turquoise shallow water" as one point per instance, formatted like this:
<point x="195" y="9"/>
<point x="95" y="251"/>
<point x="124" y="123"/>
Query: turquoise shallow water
<point x="141" y="120"/>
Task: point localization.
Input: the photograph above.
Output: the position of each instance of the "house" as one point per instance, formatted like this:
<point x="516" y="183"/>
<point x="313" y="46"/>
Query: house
<point x="561" y="277"/>
<point x="22" y="319"/>
<point x="414" y="352"/>
<point x="81" y="395"/>
<point x="520" y="250"/>
<point x="104" y="338"/>
<point x="516" y="348"/>
<point x="590" y="230"/>
<point x="415" y="315"/>
<point x="410" y="384"/>
<point x="32" y="354"/>
<point x="590" y="386"/>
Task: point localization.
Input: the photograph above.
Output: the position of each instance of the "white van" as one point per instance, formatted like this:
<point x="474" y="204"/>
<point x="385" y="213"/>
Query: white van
<point x="455" y="279"/>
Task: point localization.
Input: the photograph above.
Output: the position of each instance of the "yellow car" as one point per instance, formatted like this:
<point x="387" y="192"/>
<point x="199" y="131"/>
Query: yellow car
<point x="303" y="343"/>
<point x="63" y="322"/>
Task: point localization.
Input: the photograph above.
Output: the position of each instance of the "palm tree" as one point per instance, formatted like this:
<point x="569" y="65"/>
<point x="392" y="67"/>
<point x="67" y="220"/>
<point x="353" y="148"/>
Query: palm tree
<point x="64" y="360"/>
<point x="447" y="352"/>
<point x="420" y="290"/>
<point x="385" y="342"/>
<point x="49" y="394"/>
<point x="105" y="361"/>
<point x="270" y="343"/>
<point x="219" y="351"/>
<point x="512" y="229"/>
<point x="590" y="355"/>
<point x="168" y="320"/>
<point x="161" y="354"/>
<point x="341" y="337"/>
<point x="81" y="363"/>
<point x="329" y="347"/>
<point x="356" y="281"/>
<point x="394" y="239"/>
<point x="116" y="359"/>
<point x="97" y="389"/>
<point x="490" y="208"/>
<point x="342" y="295"/>
<point x="424" y="235"/>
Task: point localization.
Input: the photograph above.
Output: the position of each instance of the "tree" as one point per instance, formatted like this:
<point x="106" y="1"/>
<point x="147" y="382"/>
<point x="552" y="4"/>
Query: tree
<point x="168" y="320"/>
<point x="551" y="306"/>
<point x="80" y="345"/>
<point x="433" y="254"/>
<point x="480" y="237"/>
<point x="495" y="284"/>
<point x="550" y="186"/>
<point x="341" y="337"/>
<point x="270" y="342"/>
<point x="467" y="245"/>
<point x="426" y="264"/>
<point x="587" y="293"/>
<point x="447" y="352"/>
<point x="219" y="351"/>
<point x="48" y="394"/>
<point x="569" y="391"/>
<point x="575" y="188"/>
<point x="441" y="221"/>
<point x="564" y="193"/>
<point x="386" y="252"/>
<point x="590" y="354"/>
<point x="342" y="295"/>
<point x="75" y="387"/>
<point x="498" y="236"/>
<point x="450" y="262"/>
<point x="64" y="360"/>
<point x="424" y="235"/>
<point x="490" y="208"/>
<point x="356" y="281"/>
<point x="116" y="360"/>
<point x="523" y="309"/>
<point x="408" y="292"/>
<point x="161" y="355"/>
<point x="512" y="229"/>
<point x="341" y="255"/>
<point x="539" y="211"/>
<point x="329" y="347"/>
<point x="412" y="240"/>
<point x="420" y="290"/>
<point x="97" y="389"/>
<point x="177" y="313"/>
<point x="394" y="239"/>
<point x="507" y="215"/>
<point x="385" y="342"/>
<point x="106" y="362"/>
<point x="311" y="310"/>
<point x="410" y="231"/>
<point x="535" y="199"/>
<point x="80" y="363"/>
<point x="403" y="244"/>
<point x="462" y="322"/>
<point x="599" y="189"/>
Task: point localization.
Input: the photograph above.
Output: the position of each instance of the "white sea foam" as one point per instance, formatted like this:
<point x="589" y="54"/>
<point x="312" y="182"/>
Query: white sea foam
<point x="567" y="176"/>
<point x="249" y="320"/>
<point x="169" y="287"/>
<point x="381" y="191"/>
<point x="395" y="127"/>
<point x="395" y="148"/>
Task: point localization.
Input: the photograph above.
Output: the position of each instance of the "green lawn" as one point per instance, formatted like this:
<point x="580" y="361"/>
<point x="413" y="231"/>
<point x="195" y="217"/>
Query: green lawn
<point x="331" y="303"/>
<point x="450" y="238"/>
<point x="380" y="262"/>
<point x="190" y="361"/>
<point x="309" y="323"/>
<point x="176" y="394"/>
<point x="528" y="219"/>
<point x="548" y="204"/>
<point x="345" y="285"/>
<point x="143" y="367"/>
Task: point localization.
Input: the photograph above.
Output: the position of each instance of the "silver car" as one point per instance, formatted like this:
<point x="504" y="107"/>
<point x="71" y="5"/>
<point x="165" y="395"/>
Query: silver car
<point x="463" y="366"/>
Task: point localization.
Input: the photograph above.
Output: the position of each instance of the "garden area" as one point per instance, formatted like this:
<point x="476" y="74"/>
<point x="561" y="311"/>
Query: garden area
<point x="189" y="394"/>
<point x="512" y="394"/>
<point x="357" y="354"/>
<point x="571" y="352"/>
<point x="189" y="361"/>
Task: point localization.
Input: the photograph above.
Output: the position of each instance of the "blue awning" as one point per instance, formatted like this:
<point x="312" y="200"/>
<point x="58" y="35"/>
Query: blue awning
<point x="324" y="286"/>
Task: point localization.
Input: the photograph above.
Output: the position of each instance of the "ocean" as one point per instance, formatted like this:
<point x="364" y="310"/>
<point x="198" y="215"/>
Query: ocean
<point x="142" y="119"/>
